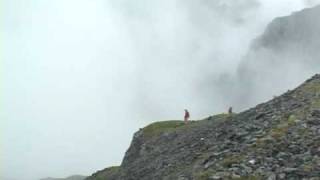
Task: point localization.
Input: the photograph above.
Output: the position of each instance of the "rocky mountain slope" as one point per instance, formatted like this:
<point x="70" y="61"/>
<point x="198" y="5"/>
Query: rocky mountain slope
<point x="301" y="29"/>
<point x="74" y="177"/>
<point x="279" y="139"/>
<point x="290" y="39"/>
<point x="288" y="48"/>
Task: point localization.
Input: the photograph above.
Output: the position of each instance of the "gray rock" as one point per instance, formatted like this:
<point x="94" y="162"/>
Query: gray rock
<point x="282" y="176"/>
<point x="272" y="176"/>
<point x="225" y="147"/>
<point x="290" y="170"/>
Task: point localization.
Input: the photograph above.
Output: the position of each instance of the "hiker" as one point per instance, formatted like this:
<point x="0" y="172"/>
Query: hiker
<point x="230" y="110"/>
<point x="186" y="116"/>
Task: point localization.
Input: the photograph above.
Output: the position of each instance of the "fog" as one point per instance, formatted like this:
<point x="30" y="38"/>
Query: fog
<point x="79" y="77"/>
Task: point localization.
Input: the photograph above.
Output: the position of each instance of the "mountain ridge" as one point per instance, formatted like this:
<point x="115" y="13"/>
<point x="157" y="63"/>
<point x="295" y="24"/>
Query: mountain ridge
<point x="276" y="139"/>
<point x="281" y="57"/>
<point x="299" y="27"/>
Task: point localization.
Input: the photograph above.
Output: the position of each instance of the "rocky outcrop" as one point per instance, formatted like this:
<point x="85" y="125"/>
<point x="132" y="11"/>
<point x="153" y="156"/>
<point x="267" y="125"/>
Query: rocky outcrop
<point x="285" y="54"/>
<point x="279" y="139"/>
<point x="291" y="39"/>
<point x="301" y="29"/>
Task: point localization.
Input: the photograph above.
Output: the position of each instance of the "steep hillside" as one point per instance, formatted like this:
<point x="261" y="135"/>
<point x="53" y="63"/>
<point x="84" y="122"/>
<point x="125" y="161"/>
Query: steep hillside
<point x="279" y="139"/>
<point x="301" y="29"/>
<point x="288" y="48"/>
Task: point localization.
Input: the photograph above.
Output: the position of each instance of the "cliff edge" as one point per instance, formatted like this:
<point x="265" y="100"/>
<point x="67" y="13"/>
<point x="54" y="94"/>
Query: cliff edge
<point x="279" y="139"/>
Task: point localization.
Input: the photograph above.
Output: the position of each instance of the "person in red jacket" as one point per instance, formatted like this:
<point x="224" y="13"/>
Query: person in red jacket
<point x="186" y="116"/>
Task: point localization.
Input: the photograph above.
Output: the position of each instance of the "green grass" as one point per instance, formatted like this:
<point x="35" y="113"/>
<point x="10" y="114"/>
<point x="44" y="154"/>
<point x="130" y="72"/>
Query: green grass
<point x="103" y="174"/>
<point x="113" y="168"/>
<point x="157" y="128"/>
<point x="223" y="116"/>
<point x="233" y="159"/>
<point x="308" y="167"/>
<point x="315" y="104"/>
<point x="312" y="88"/>
<point x="204" y="175"/>
<point x="279" y="132"/>
<point x="292" y="120"/>
<point x="282" y="129"/>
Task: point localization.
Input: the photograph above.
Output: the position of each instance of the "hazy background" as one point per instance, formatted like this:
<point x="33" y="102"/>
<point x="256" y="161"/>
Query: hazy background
<point x="81" y="76"/>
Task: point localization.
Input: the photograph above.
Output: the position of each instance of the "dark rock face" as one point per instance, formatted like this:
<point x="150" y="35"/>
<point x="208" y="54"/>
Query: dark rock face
<point x="293" y="39"/>
<point x="279" y="139"/>
<point x="300" y="29"/>
<point x="281" y="57"/>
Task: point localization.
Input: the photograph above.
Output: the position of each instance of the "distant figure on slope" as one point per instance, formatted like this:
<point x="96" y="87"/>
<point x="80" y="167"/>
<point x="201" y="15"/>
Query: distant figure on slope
<point x="186" y="116"/>
<point x="230" y="110"/>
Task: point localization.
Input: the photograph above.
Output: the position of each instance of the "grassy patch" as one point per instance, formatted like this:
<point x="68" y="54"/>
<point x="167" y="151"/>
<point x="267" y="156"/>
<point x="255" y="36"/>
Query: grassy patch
<point x="223" y="115"/>
<point x="262" y="142"/>
<point x="204" y="175"/>
<point x="230" y="160"/>
<point x="113" y="168"/>
<point x="282" y="129"/>
<point x="308" y="168"/>
<point x="157" y="128"/>
<point x="311" y="88"/>
<point x="292" y="120"/>
<point x="106" y="173"/>
<point x="279" y="132"/>
<point x="316" y="104"/>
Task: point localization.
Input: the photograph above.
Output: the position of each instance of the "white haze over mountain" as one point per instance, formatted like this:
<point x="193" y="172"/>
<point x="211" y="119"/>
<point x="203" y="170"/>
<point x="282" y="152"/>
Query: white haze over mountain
<point x="80" y="77"/>
<point x="286" y="54"/>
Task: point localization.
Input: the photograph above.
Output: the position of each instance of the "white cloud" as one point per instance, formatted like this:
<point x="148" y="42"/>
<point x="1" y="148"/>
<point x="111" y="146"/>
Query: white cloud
<point x="80" y="76"/>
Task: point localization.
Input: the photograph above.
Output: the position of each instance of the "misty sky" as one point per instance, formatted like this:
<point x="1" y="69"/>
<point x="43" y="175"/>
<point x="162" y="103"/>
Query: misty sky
<point x="79" y="77"/>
